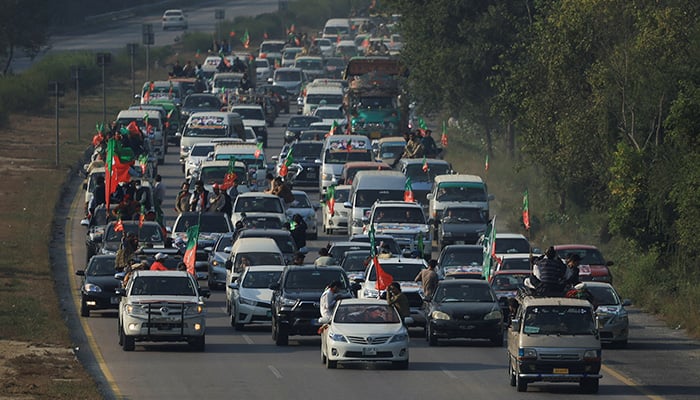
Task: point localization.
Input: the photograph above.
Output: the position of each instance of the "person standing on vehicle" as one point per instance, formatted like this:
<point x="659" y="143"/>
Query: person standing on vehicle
<point x="431" y="150"/>
<point x="199" y="201"/>
<point x="182" y="201"/>
<point x="329" y="298"/>
<point x="157" y="264"/>
<point x="127" y="249"/>
<point x="217" y="201"/>
<point x="414" y="148"/>
<point x="98" y="195"/>
<point x="429" y="279"/>
<point x="396" y="298"/>
<point x="299" y="231"/>
<point x="549" y="275"/>
<point x="573" y="261"/>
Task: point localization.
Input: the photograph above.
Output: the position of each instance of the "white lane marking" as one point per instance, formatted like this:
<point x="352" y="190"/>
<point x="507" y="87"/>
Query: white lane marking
<point x="275" y="372"/>
<point x="449" y="373"/>
<point x="248" y="339"/>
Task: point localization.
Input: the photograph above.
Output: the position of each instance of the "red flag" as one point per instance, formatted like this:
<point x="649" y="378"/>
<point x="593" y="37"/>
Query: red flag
<point x="384" y="279"/>
<point x="258" y="150"/>
<point x="486" y="163"/>
<point x="526" y="210"/>
<point x="231" y="176"/>
<point x="443" y="138"/>
<point x="133" y="128"/>
<point x="265" y="35"/>
<point x="425" y="167"/>
<point x="331" y="206"/>
<point x="119" y="226"/>
<point x="190" y="257"/>
<point x="408" y="191"/>
<point x="284" y="170"/>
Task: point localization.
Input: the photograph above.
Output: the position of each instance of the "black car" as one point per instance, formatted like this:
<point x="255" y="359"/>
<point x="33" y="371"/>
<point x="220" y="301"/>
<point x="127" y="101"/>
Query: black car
<point x="307" y="158"/>
<point x="278" y="94"/>
<point x="98" y="285"/>
<point x="200" y="102"/>
<point x="296" y="297"/>
<point x="150" y="235"/>
<point x="462" y="308"/>
<point x="461" y="260"/>
<point x="298" y="124"/>
<point x="461" y="225"/>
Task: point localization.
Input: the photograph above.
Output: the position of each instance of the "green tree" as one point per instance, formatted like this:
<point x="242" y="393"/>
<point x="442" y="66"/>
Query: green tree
<point x="23" y="27"/>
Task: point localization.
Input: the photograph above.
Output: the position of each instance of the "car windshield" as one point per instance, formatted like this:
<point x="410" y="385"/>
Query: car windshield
<point x="558" y="320"/>
<point x="262" y="63"/>
<point x="366" y="314"/>
<point x="604" y="295"/>
<point x="262" y="222"/>
<point x="288" y="76"/>
<point x="260" y="279"/>
<point x="308" y="64"/>
<point x="208" y="223"/>
<point x="343" y="156"/>
<point x="307" y="150"/>
<point x="393" y="149"/>
<point x="337" y="250"/>
<point x="100" y="266"/>
<point x="355" y="261"/>
<point x="464" y="292"/>
<point x="216" y="174"/>
<point x="351" y="172"/>
<point x="516" y="263"/>
<point x="508" y="282"/>
<point x="398" y="271"/>
<point x="284" y="242"/>
<point x="397" y="215"/>
<point x="417" y="174"/>
<point x="227" y="83"/>
<point x="201" y="151"/>
<point x="302" y="122"/>
<point x="224" y="242"/>
<point x="341" y="195"/>
<point x="163" y="286"/>
<point x="148" y="233"/>
<point x="255" y="258"/>
<point x="314" y="279"/>
<point x="258" y="204"/>
<point x="365" y="198"/>
<point x="455" y="257"/>
<point x="378" y="103"/>
<point x="271" y="47"/>
<point x="463" y="215"/>
<point x="458" y="192"/>
<point x="202" y="102"/>
<point x="250" y="113"/>
<point x="330" y="113"/>
<point x="588" y="256"/>
<point x="329" y="98"/>
<point x="512" y="245"/>
<point x="301" y="201"/>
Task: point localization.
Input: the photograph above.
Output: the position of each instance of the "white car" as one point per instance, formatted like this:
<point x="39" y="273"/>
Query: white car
<point x="198" y="153"/>
<point x="253" y="117"/>
<point x="365" y="330"/>
<point x="263" y="70"/>
<point x="303" y="206"/>
<point x="330" y="114"/>
<point x="326" y="46"/>
<point x="256" y="204"/>
<point x="338" y="219"/>
<point x="251" y="295"/>
<point x="174" y="19"/>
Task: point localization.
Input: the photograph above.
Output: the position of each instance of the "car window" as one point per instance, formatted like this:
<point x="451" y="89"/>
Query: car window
<point x="301" y="201"/>
<point x="314" y="279"/>
<point x="558" y="320"/>
<point x="398" y="271"/>
<point x="604" y="296"/>
<point x="163" y="286"/>
<point x="260" y="279"/>
<point x="101" y="266"/>
<point x="258" y="204"/>
<point x="508" y="282"/>
<point x="366" y="313"/>
<point x="469" y="293"/>
<point x="462" y="257"/>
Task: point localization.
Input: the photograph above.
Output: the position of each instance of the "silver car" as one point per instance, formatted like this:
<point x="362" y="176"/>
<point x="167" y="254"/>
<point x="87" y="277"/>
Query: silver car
<point x="613" y="322"/>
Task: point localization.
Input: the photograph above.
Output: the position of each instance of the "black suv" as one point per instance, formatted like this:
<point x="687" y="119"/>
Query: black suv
<point x="296" y="299"/>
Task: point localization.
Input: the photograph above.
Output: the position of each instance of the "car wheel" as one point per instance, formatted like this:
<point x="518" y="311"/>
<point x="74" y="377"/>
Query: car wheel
<point x="430" y="335"/>
<point x="497" y="340"/>
<point x="274" y="330"/>
<point x="279" y="335"/>
<point x="128" y="342"/>
<point x="228" y="307"/>
<point x="90" y="252"/>
<point x="120" y="334"/>
<point x="238" y="327"/>
<point x="520" y="384"/>
<point x="84" y="310"/>
<point x="232" y="317"/>
<point x="330" y="364"/>
<point x="400" y="364"/>
<point x="198" y="343"/>
<point x="511" y="373"/>
<point x="589" y="385"/>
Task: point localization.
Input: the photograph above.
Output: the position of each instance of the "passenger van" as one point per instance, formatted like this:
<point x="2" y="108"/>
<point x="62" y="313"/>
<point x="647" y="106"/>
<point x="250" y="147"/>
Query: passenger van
<point x="320" y="91"/>
<point x="162" y="90"/>
<point x="337" y="150"/>
<point x="250" y="252"/>
<point x="369" y="187"/>
<point x="337" y="27"/>
<point x="458" y="189"/>
<point x="205" y="126"/>
<point x="151" y="126"/>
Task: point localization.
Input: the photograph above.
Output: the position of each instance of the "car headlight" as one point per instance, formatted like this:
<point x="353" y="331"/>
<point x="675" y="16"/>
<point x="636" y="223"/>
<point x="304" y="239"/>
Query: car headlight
<point x="194" y="309"/>
<point x="288" y="302"/>
<point x="402" y="337"/>
<point x="327" y="176"/>
<point x="215" y="263"/>
<point x="249" y="302"/>
<point x="493" y="315"/>
<point x="370" y="293"/>
<point x="447" y="234"/>
<point x="357" y="223"/>
<point x="92" y="288"/>
<point x="134" y="309"/>
<point x="526" y="353"/>
<point x="440" y="315"/>
<point x="591" y="355"/>
<point x="184" y="149"/>
<point x="336" y="337"/>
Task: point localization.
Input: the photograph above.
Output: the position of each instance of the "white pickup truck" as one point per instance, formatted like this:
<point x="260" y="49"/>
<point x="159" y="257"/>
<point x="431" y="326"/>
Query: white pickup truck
<point x="162" y="306"/>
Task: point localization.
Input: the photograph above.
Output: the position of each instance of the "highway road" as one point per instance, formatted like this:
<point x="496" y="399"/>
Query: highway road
<point x="659" y="363"/>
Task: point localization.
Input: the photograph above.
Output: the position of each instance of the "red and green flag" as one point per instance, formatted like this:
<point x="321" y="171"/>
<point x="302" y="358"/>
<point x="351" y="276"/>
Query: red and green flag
<point x="384" y="278"/>
<point x="425" y="166"/>
<point x="372" y="240"/>
<point x="119" y="225"/>
<point x="489" y="250"/>
<point x="246" y="39"/>
<point x="348" y="145"/>
<point x="265" y="35"/>
<point x="333" y="130"/>
<point x="117" y="162"/>
<point x="230" y="176"/>
<point x="526" y="210"/>
<point x="486" y="163"/>
<point x="408" y="191"/>
<point x="142" y="215"/>
<point x="197" y="54"/>
<point x="330" y="199"/>
<point x="284" y="169"/>
<point x="443" y="138"/>
<point x="421" y="123"/>
<point x="190" y="257"/>
<point x="258" y="150"/>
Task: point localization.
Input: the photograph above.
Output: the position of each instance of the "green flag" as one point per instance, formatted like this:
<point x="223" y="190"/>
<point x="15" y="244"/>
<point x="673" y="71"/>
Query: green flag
<point x="489" y="249"/>
<point x="190" y="257"/>
<point x="373" y="246"/>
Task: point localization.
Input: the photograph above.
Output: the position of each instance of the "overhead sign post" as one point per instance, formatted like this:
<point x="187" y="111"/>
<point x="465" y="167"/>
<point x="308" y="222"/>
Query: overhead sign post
<point x="131" y="49"/>
<point x="219" y="14"/>
<point x="57" y="90"/>
<point x="148" y="40"/>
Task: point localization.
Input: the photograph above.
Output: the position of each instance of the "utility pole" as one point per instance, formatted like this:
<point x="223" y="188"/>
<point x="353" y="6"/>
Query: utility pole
<point x="131" y="48"/>
<point x="148" y="40"/>
<point x="219" y="16"/>
<point x="102" y="60"/>
<point x="56" y="89"/>
<point x="75" y="70"/>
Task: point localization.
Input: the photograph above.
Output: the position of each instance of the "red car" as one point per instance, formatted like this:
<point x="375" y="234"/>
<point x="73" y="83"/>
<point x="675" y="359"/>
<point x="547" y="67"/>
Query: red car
<point x="593" y="266"/>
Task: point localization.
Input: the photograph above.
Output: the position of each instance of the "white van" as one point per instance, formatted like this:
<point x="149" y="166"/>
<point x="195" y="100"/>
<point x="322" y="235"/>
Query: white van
<point x="205" y="126"/>
<point x="151" y="126"/>
<point x="319" y="92"/>
<point x="369" y="187"/>
<point x="251" y="252"/>
<point x="337" y="27"/>
<point x="339" y="149"/>
<point x="458" y="189"/>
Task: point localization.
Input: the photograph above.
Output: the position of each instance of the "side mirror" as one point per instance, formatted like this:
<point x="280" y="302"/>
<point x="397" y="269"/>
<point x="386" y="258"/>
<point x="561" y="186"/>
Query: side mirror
<point x="233" y="285"/>
<point x="227" y="249"/>
<point x="491" y="197"/>
<point x="274" y="286"/>
<point x="429" y="196"/>
<point x="120" y="292"/>
<point x="80" y="272"/>
<point x="408" y="321"/>
<point x="515" y="325"/>
<point x="347" y="204"/>
<point x="120" y="276"/>
<point x="625" y="302"/>
<point x="228" y="264"/>
<point x="205" y="292"/>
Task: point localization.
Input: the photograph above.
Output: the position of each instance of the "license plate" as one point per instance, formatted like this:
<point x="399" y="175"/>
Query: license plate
<point x="114" y="300"/>
<point x="561" y="370"/>
<point x="375" y="135"/>
<point x="369" y="351"/>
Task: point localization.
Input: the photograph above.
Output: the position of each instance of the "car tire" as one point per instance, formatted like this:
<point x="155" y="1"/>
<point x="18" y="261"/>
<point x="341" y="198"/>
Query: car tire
<point x="281" y="337"/>
<point x="589" y="385"/>
<point x="430" y="335"/>
<point x="238" y="327"/>
<point x="128" y="342"/>
<point x="497" y="341"/>
<point x="323" y="358"/>
<point x="232" y="317"/>
<point x="198" y="343"/>
<point x="520" y="384"/>
<point x="330" y="364"/>
<point x="120" y="334"/>
<point x="400" y="364"/>
<point x="511" y="374"/>
<point x="84" y="310"/>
